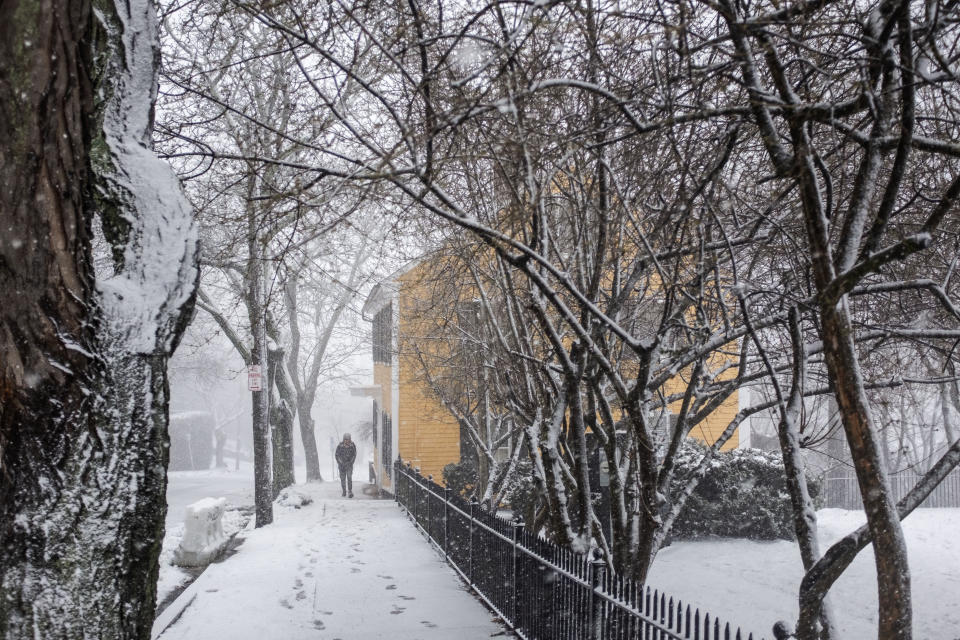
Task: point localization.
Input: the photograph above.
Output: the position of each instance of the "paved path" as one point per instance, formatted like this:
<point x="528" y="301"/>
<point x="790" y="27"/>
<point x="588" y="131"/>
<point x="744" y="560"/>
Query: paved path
<point x="334" y="569"/>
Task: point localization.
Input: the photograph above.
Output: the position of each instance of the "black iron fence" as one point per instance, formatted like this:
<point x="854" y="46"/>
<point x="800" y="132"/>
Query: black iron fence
<point x="542" y="591"/>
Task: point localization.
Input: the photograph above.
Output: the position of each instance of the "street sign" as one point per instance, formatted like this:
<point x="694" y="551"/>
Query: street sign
<point x="254" y="378"/>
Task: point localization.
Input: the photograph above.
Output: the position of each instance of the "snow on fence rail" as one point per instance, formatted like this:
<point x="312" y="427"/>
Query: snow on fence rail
<point x="542" y="591"/>
<point x="842" y="492"/>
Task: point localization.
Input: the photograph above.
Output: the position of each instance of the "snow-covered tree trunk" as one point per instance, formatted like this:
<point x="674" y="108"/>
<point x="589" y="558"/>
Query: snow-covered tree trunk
<point x="281" y="421"/>
<point x="309" y="439"/>
<point x="256" y="311"/>
<point x="83" y="416"/>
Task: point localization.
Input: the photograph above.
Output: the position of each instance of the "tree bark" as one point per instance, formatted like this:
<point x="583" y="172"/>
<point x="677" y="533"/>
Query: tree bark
<point x="281" y="419"/>
<point x="804" y="513"/>
<point x="890" y="551"/>
<point x="262" y="489"/>
<point x="843" y="369"/>
<point x="308" y="436"/>
<point x="83" y="387"/>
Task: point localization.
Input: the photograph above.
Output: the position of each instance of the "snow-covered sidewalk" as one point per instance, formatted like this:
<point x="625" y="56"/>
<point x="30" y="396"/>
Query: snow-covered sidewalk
<point x="336" y="568"/>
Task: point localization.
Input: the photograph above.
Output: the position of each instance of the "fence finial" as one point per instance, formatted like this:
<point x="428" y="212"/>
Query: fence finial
<point x="782" y="630"/>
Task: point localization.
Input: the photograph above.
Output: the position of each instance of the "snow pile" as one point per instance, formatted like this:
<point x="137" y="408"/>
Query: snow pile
<point x="203" y="537"/>
<point x="173" y="578"/>
<point x="293" y="499"/>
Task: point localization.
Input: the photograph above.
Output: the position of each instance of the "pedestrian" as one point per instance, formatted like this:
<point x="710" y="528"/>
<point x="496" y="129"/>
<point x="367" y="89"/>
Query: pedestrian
<point x="346" y="454"/>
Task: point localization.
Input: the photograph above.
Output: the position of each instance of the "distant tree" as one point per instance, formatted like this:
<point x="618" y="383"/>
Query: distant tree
<point x="289" y="259"/>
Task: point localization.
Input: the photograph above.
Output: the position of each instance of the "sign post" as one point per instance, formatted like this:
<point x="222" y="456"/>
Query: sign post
<point x="254" y="378"/>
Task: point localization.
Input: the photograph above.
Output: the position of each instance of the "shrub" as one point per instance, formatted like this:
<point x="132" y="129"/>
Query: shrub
<point x="742" y="495"/>
<point x="460" y="477"/>
<point x="521" y="493"/>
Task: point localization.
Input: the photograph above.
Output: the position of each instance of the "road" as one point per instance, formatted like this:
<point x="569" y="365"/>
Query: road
<point x="186" y="487"/>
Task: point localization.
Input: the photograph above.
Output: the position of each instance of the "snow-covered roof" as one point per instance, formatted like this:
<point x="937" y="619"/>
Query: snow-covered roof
<point x="380" y="296"/>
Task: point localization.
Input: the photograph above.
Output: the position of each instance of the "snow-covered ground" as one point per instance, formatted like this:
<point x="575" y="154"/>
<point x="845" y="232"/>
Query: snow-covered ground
<point x="358" y="569"/>
<point x="336" y="568"/>
<point x="753" y="584"/>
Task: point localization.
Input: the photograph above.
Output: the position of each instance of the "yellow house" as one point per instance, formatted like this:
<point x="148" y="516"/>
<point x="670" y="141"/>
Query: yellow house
<point x="410" y="421"/>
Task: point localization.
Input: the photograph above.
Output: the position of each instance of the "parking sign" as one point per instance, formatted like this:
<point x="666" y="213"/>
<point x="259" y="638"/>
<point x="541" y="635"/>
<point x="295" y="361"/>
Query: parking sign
<point x="254" y="378"/>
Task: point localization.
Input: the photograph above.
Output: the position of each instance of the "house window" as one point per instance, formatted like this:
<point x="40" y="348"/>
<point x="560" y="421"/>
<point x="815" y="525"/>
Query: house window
<point x="383" y="335"/>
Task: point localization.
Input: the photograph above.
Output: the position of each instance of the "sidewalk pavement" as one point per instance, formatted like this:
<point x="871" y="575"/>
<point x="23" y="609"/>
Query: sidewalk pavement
<point x="334" y="569"/>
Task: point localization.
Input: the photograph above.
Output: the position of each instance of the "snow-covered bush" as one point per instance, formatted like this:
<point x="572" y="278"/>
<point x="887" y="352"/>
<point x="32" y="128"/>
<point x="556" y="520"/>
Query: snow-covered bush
<point x="743" y="495"/>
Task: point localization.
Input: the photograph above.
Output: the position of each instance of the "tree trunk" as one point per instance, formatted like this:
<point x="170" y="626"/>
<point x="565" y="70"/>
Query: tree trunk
<point x="281" y="431"/>
<point x="281" y="419"/>
<point x="262" y="489"/>
<point x="890" y="551"/>
<point x="83" y="387"/>
<point x="221" y="443"/>
<point x="309" y="438"/>
<point x="843" y="369"/>
<point x="804" y="514"/>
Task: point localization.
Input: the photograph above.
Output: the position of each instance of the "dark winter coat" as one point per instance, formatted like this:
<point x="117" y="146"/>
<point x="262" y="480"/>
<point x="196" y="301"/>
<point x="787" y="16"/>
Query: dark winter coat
<point x="346" y="454"/>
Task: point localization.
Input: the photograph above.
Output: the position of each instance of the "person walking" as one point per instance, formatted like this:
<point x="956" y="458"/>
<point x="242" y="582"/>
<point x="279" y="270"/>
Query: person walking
<point x="346" y="454"/>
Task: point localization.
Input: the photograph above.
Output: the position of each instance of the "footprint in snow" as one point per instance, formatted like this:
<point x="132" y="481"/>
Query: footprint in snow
<point x="354" y="570"/>
<point x="286" y="603"/>
<point x="391" y="587"/>
<point x="301" y="595"/>
<point x="403" y="597"/>
<point x="397" y="610"/>
<point x="318" y="625"/>
<point x="428" y="624"/>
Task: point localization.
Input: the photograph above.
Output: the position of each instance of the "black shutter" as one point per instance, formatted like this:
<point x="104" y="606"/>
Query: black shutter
<point x="387" y="445"/>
